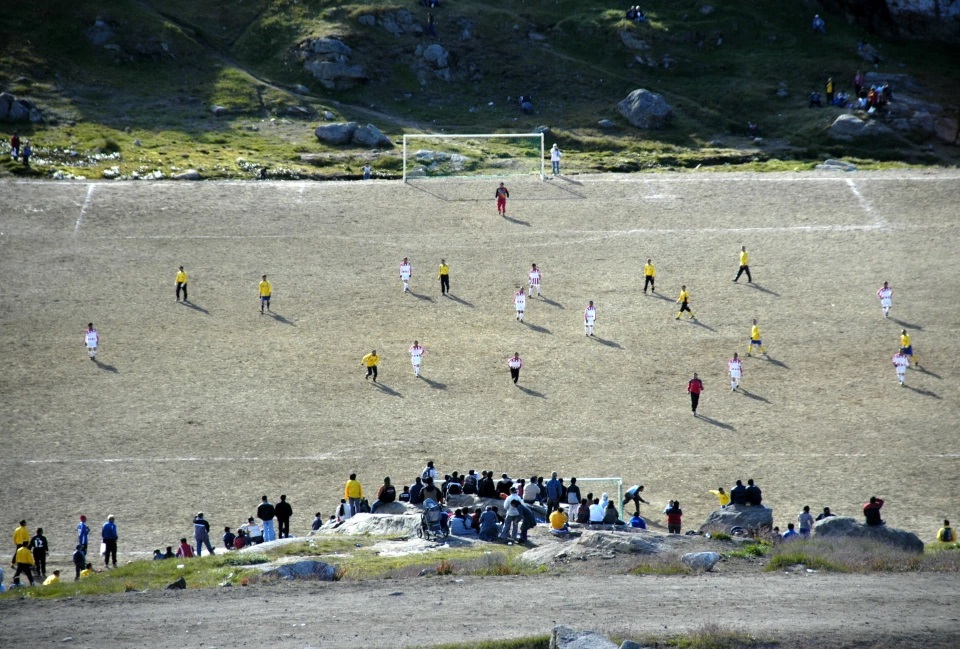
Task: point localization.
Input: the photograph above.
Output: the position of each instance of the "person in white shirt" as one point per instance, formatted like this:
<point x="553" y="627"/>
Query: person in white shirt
<point x="596" y="512"/>
<point x="885" y="295"/>
<point x="535" y="277"/>
<point x="520" y="303"/>
<point x="406" y="272"/>
<point x="92" y="339"/>
<point x="555" y="155"/>
<point x="901" y="362"/>
<point x="416" y="357"/>
<point x="589" y="316"/>
<point x="735" y="365"/>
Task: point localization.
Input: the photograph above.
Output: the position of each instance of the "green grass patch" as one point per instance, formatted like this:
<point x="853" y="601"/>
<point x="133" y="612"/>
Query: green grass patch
<point x="538" y="642"/>
<point x="750" y="551"/>
<point x="660" y="565"/>
<point x="709" y="636"/>
<point x="858" y="555"/>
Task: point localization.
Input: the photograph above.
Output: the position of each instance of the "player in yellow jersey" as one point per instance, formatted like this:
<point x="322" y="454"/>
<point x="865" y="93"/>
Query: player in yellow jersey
<point x="265" y="291"/>
<point x="755" y="340"/>
<point x="744" y="265"/>
<point x="649" y="276"/>
<point x="371" y="361"/>
<point x="906" y="347"/>
<point x="181" y="281"/>
<point x="684" y="302"/>
<point x="444" y="276"/>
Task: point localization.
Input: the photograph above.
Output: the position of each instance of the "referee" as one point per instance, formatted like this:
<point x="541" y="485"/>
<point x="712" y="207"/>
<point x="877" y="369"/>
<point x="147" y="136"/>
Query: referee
<point x="444" y="276"/>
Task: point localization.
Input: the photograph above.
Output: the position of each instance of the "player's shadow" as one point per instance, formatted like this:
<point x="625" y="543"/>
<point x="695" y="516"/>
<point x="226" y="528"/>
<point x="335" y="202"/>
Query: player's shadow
<point x="436" y="385"/>
<point x="716" y="422"/>
<point x="386" y="389"/>
<point x="537" y="328"/>
<point x="907" y="325"/>
<point x="606" y="343"/>
<point x="662" y="296"/>
<point x="546" y="300"/>
<point x="426" y="298"/>
<point x="526" y="224"/>
<point x="926" y="393"/>
<point x="105" y="367"/>
<point x="567" y="179"/>
<point x="927" y="372"/>
<point x="279" y="318"/>
<point x="532" y="393"/>
<point x="459" y="300"/>
<point x="772" y="361"/>
<point x="751" y="395"/>
<point x="762" y="289"/>
<point x="568" y="189"/>
<point x="195" y="307"/>
<point x="704" y="325"/>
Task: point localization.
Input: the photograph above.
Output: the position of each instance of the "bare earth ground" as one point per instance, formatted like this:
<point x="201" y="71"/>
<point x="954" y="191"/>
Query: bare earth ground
<point x="207" y="408"/>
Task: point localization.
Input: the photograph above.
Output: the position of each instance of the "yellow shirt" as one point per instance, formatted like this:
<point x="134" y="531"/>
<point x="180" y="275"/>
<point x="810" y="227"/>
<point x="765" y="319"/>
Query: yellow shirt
<point x="86" y="573"/>
<point x="723" y="498"/>
<point x="904" y="342"/>
<point x="370" y="360"/>
<point x="744" y="258"/>
<point x="684" y="297"/>
<point x="943" y="532"/>
<point x="649" y="270"/>
<point x="181" y="277"/>
<point x="21" y="535"/>
<point x="265" y="288"/>
<point x="557" y="520"/>
<point x="24" y="555"/>
<point x="755" y="333"/>
<point x="352" y="489"/>
<point x="444" y="270"/>
<point x="52" y="579"/>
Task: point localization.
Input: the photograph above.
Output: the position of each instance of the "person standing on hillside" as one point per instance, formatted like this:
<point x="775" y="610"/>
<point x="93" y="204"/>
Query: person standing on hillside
<point x="353" y="493"/>
<point x="444" y="276"/>
<point x="83" y="533"/>
<point x="674" y="517"/>
<point x="266" y="512"/>
<point x="535" y="276"/>
<point x="15" y="146"/>
<point x="109" y="536"/>
<point x="694" y="387"/>
<point x="283" y="512"/>
<point x="519" y="303"/>
<point x="684" y="302"/>
<point x="885" y="295"/>
<point x="371" y="361"/>
<point x="515" y="363"/>
<point x="181" y="282"/>
<point x="589" y="317"/>
<point x="555" y="155"/>
<point x="92" y="340"/>
<point x="201" y="534"/>
<point x="502" y="195"/>
<point x="736" y="372"/>
<point x="829" y="89"/>
<point x="266" y="290"/>
<point x="744" y="265"/>
<point x="755" y="340"/>
<point x="40" y="547"/>
<point x="805" y="518"/>
<point x="649" y="277"/>
<point x="416" y="357"/>
<point x="406" y="272"/>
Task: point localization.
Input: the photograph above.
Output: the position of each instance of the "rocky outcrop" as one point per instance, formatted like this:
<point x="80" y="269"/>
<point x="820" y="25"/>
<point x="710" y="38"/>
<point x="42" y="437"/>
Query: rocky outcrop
<point x="700" y="561"/>
<point x="923" y="19"/>
<point x="604" y="544"/>
<point x="303" y="570"/>
<point x="328" y="61"/>
<point x="847" y="128"/>
<point x="632" y="42"/>
<point x="370" y="136"/>
<point x="646" y="110"/>
<point x="337" y="133"/>
<point x="749" y="518"/>
<point x="375" y="525"/>
<point x="850" y="528"/>
<point x="566" y="638"/>
<point x="18" y="109"/>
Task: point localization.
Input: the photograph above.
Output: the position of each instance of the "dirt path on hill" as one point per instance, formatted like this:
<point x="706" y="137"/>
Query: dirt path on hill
<point x="917" y="610"/>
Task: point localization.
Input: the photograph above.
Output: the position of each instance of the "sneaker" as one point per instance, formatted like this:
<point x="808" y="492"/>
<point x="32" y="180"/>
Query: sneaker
<point x="677" y="318"/>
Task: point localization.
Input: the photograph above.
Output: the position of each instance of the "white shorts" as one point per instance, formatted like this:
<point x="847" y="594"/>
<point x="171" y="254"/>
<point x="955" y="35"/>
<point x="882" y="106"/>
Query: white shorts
<point x="886" y="302"/>
<point x="735" y="375"/>
<point x="589" y="322"/>
<point x="415" y="360"/>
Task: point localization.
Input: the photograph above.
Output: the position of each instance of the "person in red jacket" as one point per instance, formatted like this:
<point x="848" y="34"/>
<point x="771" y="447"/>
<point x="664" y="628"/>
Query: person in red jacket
<point x="502" y="196"/>
<point x="15" y="146"/>
<point x="694" y="387"/>
<point x="674" y="516"/>
<point x="871" y="511"/>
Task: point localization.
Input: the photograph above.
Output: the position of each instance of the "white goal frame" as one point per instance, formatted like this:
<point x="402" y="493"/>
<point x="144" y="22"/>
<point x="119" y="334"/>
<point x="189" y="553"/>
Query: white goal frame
<point x="475" y="136"/>
<point x="616" y="480"/>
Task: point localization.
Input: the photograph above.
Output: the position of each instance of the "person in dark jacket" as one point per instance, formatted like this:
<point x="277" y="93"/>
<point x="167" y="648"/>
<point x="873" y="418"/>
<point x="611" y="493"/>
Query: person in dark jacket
<point x="738" y="495"/>
<point x="201" y="534"/>
<point x="228" y="538"/>
<point x="431" y="492"/>
<point x="554" y="494"/>
<point x="753" y="494"/>
<point x="489" y="525"/>
<point x="485" y="486"/>
<point x="79" y="560"/>
<point x="40" y="547"/>
<point x="527" y="521"/>
<point x="416" y="492"/>
<point x="266" y="512"/>
<point x="283" y="511"/>
<point x="385" y="495"/>
<point x="504" y="484"/>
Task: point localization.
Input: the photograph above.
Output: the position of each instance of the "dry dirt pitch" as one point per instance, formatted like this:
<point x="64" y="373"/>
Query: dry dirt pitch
<point x="209" y="406"/>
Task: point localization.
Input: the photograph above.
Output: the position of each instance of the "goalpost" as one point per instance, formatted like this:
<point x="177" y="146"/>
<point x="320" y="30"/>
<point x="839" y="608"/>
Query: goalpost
<point x="475" y="155"/>
<point x="603" y="485"/>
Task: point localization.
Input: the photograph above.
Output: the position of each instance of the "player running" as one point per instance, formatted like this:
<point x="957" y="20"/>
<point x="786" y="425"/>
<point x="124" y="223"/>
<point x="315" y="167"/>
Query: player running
<point x="502" y="195"/>
<point x="92" y="340"/>
<point x="649" y="276"/>
<point x="266" y="290"/>
<point x="684" y="302"/>
<point x="416" y="357"/>
<point x="885" y="295"/>
<point x="901" y="362"/>
<point x="906" y="346"/>
<point x="589" y="316"/>
<point x="520" y="303"/>
<point x="755" y="340"/>
<point x="515" y="363"/>
<point x="735" y="365"/>
<point x="181" y="281"/>
<point x="406" y="272"/>
<point x="535" y="275"/>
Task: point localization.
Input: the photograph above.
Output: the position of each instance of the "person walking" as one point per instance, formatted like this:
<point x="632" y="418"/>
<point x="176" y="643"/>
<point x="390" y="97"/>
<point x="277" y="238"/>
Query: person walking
<point x="21" y="535"/>
<point x="906" y="346"/>
<point x="23" y="562"/>
<point x="416" y="357"/>
<point x="755" y="340"/>
<point x="555" y="155"/>
<point x="40" y="547"/>
<point x="901" y="362"/>
<point x="109" y="536"/>
<point x="684" y="302"/>
<point x="502" y="195"/>
<point x="266" y="512"/>
<point x="744" y="265"/>
<point x="589" y="317"/>
<point x="181" y="282"/>
<point x="736" y="372"/>
<point x="201" y="534"/>
<point x="535" y="276"/>
<point x="694" y="387"/>
<point x="444" y="277"/>
<point x="515" y="364"/>
<point x="885" y="295"/>
<point x="353" y="493"/>
<point x="406" y="272"/>
<point x="83" y="533"/>
<point x="91" y="338"/>
<point x="284" y="512"/>
<point x="371" y="361"/>
<point x="649" y="277"/>
<point x="266" y="290"/>
<point x="519" y="303"/>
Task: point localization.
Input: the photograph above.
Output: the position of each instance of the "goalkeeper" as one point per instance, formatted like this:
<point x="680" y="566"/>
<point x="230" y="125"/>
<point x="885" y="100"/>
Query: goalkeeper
<point x="633" y="494"/>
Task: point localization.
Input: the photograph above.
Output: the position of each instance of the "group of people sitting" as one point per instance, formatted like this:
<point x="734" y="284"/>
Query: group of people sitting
<point x="635" y="13"/>
<point x="750" y="494"/>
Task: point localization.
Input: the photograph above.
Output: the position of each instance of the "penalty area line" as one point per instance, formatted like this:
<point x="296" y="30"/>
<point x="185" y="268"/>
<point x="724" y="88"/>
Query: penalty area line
<point x="88" y="201"/>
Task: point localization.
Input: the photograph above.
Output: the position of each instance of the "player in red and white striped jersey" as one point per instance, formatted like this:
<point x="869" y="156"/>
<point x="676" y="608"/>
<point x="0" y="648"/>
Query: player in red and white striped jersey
<point x="515" y="363"/>
<point x="885" y="295"/>
<point x="406" y="272"/>
<point x="416" y="357"/>
<point x="589" y="315"/>
<point x="735" y="365"/>
<point x="92" y="340"/>
<point x="520" y="303"/>
<point x="901" y="362"/>
<point x="535" y="276"/>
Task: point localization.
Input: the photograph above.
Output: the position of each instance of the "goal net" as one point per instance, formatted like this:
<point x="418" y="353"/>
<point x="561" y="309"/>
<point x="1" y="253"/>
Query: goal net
<point x="613" y="487"/>
<point x="429" y="155"/>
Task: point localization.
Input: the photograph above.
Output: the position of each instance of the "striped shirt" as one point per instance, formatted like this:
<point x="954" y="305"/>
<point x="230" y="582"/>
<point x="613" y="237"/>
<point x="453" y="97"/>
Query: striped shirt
<point x="736" y="367"/>
<point x="885" y="293"/>
<point x="406" y="270"/>
<point x="520" y="300"/>
<point x="416" y="352"/>
<point x="91" y="337"/>
<point x="515" y="363"/>
<point x="901" y="361"/>
<point x="535" y="277"/>
<point x="590" y="314"/>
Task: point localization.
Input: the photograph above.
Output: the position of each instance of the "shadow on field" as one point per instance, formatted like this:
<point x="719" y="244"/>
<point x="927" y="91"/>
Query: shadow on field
<point x="552" y="303"/>
<point x="537" y="328"/>
<point x="517" y="221"/>
<point x="567" y="189"/>
<point x="771" y="360"/>
<point x="661" y="296"/>
<point x="436" y="385"/>
<point x="567" y="179"/>
<point x="704" y="325"/>
<point x="195" y="307"/>
<point x="927" y="372"/>
<point x="716" y="422"/>
<point x="926" y="393"/>
<point x="280" y="318"/>
<point x="459" y="300"/>
<point x="386" y="389"/>
<point x="907" y="325"/>
<point x="607" y="343"/>
<point x="105" y="367"/>
<point x="532" y="393"/>
<point x="763" y="290"/>
<point x="426" y="298"/>
<point x="751" y="395"/>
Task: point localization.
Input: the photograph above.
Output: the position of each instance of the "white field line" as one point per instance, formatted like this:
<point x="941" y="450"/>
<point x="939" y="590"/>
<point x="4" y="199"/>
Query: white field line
<point x="864" y="203"/>
<point x="86" y="205"/>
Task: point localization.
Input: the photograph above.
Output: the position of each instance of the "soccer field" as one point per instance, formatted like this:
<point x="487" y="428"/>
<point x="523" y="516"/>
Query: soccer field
<point x="209" y="406"/>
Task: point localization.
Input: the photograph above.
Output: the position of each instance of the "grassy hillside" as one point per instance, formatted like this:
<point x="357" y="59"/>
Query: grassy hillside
<point x="168" y="62"/>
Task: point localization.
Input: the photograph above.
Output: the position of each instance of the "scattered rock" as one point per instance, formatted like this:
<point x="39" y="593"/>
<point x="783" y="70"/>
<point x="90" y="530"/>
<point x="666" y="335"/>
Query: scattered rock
<point x="870" y="54"/>
<point x="334" y="75"/>
<point x="606" y="123"/>
<point x="706" y="10"/>
<point x="946" y="129"/>
<point x="632" y="42"/>
<point x="99" y="33"/>
<point x="466" y="29"/>
<point x="339" y="133"/>
<point x="749" y="518"/>
<point x="189" y="174"/>
<point x="630" y="644"/>
<point x="301" y="89"/>
<point x="376" y="525"/>
<point x="111" y="173"/>
<point x="327" y="115"/>
<point x="782" y="89"/>
<point x="367" y="20"/>
<point x="701" y="561"/>
<point x="836" y="165"/>
<point x="179" y="584"/>
<point x="566" y="638"/>
<point x="371" y="136"/>
<point x="137" y="142"/>
<point x="219" y="110"/>
<point x="329" y="48"/>
<point x="847" y="527"/>
<point x="536" y="37"/>
<point x="69" y="638"/>
<point x="309" y="569"/>
<point x="436" y="55"/>
<point x="542" y="129"/>
<point x="849" y="127"/>
<point x="646" y="110"/>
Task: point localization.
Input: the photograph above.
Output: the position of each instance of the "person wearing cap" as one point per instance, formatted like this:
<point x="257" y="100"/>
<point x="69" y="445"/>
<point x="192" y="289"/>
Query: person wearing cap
<point x="201" y="534"/>
<point x="109" y="536"/>
<point x="83" y="533"/>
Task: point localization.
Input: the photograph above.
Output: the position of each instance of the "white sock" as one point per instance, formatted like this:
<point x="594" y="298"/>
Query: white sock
<point x="406" y="286"/>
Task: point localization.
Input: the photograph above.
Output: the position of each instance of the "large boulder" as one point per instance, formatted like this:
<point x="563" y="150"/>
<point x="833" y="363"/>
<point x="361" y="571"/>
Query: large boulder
<point x="946" y="129"/>
<point x="337" y="133"/>
<point x="436" y="55"/>
<point x="646" y="110"/>
<point x="375" y="525"/>
<point x="335" y="75"/>
<point x="632" y="42"/>
<point x="19" y="111"/>
<point x="603" y="544"/>
<point x="371" y="136"/>
<point x="329" y="47"/>
<point x="701" y="561"/>
<point x="850" y="127"/>
<point x="847" y="527"/>
<point x="396" y="509"/>
<point x="308" y="569"/>
<point x="731" y="516"/>
<point x="566" y="638"/>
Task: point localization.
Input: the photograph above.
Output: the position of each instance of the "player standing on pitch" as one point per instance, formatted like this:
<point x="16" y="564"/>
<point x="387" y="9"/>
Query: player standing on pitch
<point x="885" y="295"/>
<point x="535" y="276"/>
<point x="92" y="340"/>
<point x="736" y="372"/>
<point x="266" y="290"/>
<point x="744" y="265"/>
<point x="502" y="196"/>
<point x="519" y="303"/>
<point x="406" y="272"/>
<point x="181" y="281"/>
<point x="589" y="317"/>
<point x="416" y="357"/>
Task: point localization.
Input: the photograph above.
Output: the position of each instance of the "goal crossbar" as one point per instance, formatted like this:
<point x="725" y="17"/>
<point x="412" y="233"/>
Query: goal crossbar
<point x="476" y="136"/>
<point x="618" y="481"/>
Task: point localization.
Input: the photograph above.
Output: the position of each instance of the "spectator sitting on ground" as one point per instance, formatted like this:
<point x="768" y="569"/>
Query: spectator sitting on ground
<point x="504" y="485"/>
<point x="641" y="16"/>
<point x="52" y="579"/>
<point x="738" y="495"/>
<point x="636" y="521"/>
<point x="753" y="130"/>
<point x="526" y="104"/>
<point x="253" y="532"/>
<point x="775" y="536"/>
<point x="871" y="511"/>
<point x="460" y="525"/>
<point x="430" y="492"/>
<point x="470" y="482"/>
<point x="317" y="522"/>
<point x="531" y="491"/>
<point x="541" y="491"/>
<point x="558" y="523"/>
<point x="818" y="25"/>
<point x="631" y="13"/>
<point x="169" y="554"/>
<point x="416" y="492"/>
<point x="184" y="551"/>
<point x="240" y="541"/>
<point x="791" y="533"/>
<point x="453" y="486"/>
<point x="385" y="495"/>
<point x="753" y="494"/>
<point x="583" y="512"/>
<point x="344" y="512"/>
<point x="228" y="538"/>
<point x="841" y="100"/>
<point x="826" y="513"/>
<point x="722" y="496"/>
<point x="486" y="487"/>
<point x="946" y="535"/>
<point x="404" y="496"/>
<point x="474" y="517"/>
<point x="489" y="525"/>
<point x="596" y="512"/>
<point x="815" y="100"/>
<point x="158" y="555"/>
<point x="611" y="516"/>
